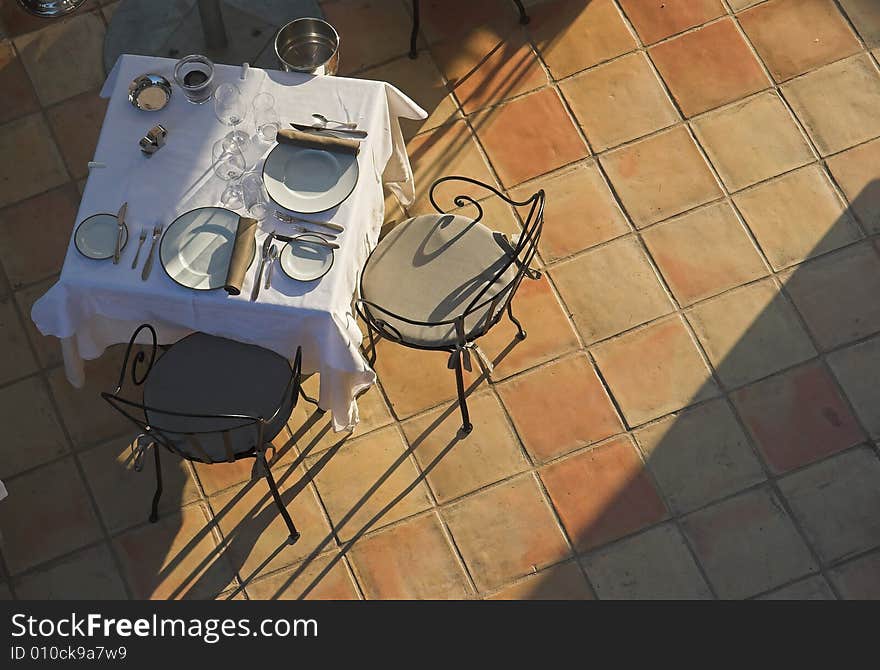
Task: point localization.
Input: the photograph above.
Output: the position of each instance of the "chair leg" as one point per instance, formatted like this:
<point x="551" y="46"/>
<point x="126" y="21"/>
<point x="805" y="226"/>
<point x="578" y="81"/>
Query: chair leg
<point x="413" y="38"/>
<point x="467" y="426"/>
<point x="523" y="17"/>
<point x="373" y="351"/>
<point x="154" y="513"/>
<point x="294" y="533"/>
<point x="521" y="334"/>
<point x="308" y="398"/>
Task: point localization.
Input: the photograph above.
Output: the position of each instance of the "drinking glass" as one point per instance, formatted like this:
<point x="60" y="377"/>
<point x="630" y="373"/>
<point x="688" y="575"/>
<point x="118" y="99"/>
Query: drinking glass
<point x="230" y="109"/>
<point x="227" y="159"/>
<point x="265" y="117"/>
<point x="256" y="200"/>
<point x="195" y="76"/>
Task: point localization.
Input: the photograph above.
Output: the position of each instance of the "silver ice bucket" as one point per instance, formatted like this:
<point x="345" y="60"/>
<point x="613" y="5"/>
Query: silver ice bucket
<point x="49" y="9"/>
<point x="308" y="45"/>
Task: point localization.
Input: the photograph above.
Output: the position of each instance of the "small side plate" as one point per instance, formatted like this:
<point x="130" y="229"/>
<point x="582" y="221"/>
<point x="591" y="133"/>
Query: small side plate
<point x="95" y="237"/>
<point x="304" y="260"/>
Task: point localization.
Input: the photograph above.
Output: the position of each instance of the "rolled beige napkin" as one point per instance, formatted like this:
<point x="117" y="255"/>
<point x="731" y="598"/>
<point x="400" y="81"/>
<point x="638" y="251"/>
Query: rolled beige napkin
<point x="317" y="141"/>
<point x="242" y="254"/>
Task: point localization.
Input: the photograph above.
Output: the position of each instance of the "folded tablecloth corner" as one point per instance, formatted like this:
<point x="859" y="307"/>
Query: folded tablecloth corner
<point x="398" y="175"/>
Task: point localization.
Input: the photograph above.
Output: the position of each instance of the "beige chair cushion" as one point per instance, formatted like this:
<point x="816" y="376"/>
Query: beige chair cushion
<point x="204" y="374"/>
<point x="430" y="268"/>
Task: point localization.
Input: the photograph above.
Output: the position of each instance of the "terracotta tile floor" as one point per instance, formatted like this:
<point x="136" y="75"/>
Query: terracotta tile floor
<point x="693" y="414"/>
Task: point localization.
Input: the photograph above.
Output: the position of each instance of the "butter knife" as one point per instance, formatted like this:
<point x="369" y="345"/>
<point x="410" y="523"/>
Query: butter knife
<point x="355" y="134"/>
<point x="120" y="225"/>
<point x="263" y="257"/>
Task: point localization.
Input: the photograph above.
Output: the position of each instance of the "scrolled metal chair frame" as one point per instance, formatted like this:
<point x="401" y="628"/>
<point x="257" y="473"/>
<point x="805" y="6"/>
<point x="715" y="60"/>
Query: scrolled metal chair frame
<point x="520" y="254"/>
<point x="160" y="436"/>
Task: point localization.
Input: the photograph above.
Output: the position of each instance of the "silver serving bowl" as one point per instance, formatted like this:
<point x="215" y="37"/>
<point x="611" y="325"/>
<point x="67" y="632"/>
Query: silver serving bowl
<point x="149" y="92"/>
<point x="50" y="8"/>
<point x="308" y="45"/>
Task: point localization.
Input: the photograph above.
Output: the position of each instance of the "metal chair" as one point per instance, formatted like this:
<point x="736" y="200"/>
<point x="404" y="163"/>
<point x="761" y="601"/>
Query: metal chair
<point x="210" y="400"/>
<point x="414" y="36"/>
<point x="441" y="281"/>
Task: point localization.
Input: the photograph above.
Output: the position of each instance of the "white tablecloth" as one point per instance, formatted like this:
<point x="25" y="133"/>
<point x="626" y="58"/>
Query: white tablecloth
<point x="96" y="304"/>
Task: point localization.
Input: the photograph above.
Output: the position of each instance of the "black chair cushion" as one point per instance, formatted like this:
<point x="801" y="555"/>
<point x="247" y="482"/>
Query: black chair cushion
<point x="207" y="375"/>
<point x="429" y="269"/>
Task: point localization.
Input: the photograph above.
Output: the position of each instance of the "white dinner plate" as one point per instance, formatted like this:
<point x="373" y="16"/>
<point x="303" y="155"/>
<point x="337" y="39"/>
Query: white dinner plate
<point x="196" y="249"/>
<point x="308" y="180"/>
<point x="304" y="260"/>
<point x="95" y="237"/>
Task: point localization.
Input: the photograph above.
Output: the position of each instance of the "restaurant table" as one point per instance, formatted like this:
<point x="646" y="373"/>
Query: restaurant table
<point x="96" y="304"/>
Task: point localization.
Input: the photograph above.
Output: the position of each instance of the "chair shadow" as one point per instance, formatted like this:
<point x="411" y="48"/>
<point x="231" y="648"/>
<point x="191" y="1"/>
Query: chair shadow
<point x="732" y="373"/>
<point x="212" y="568"/>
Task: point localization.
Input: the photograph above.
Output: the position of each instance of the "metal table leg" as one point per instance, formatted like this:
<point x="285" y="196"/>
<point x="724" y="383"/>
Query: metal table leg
<point x="414" y="36"/>
<point x="523" y="17"/>
<point x="212" y="24"/>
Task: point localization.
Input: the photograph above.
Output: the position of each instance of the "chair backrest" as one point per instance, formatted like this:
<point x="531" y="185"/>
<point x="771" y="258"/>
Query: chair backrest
<point x="521" y="253"/>
<point x="195" y="442"/>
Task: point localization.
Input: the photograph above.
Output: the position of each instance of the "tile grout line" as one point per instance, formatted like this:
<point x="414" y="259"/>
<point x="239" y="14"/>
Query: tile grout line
<point x="801" y="320"/>
<point x="485" y="156"/>
<point x="435" y="504"/>
<point x="671" y="298"/>
<point x="770" y="479"/>
<point x="42" y="375"/>
<point x="490" y="384"/>
<point x="687" y="323"/>
<point x="212" y="524"/>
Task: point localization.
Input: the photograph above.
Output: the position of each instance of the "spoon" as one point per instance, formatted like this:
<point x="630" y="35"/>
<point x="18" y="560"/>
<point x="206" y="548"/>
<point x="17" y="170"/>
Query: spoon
<point x="342" y="124"/>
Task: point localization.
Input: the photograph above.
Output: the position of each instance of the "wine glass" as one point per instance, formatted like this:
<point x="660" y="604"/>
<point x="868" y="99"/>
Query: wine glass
<point x="227" y="159"/>
<point x="233" y="195"/>
<point x="229" y="165"/>
<point x="230" y="109"/>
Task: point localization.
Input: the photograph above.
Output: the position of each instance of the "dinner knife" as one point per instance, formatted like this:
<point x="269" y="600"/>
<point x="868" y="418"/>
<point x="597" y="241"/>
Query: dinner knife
<point x="265" y="252"/>
<point x="358" y="134"/>
<point x="314" y="240"/>
<point x="120" y="224"/>
<point x="329" y="225"/>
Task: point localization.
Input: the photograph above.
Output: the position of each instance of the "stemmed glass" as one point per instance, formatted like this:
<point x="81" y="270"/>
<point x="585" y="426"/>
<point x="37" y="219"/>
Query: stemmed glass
<point x="230" y="109"/>
<point x="229" y="165"/>
<point x="227" y="159"/>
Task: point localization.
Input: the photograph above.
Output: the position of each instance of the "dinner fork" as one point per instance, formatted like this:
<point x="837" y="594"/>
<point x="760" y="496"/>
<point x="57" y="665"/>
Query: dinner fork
<point x="141" y="240"/>
<point x="148" y="264"/>
<point x="273" y="254"/>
